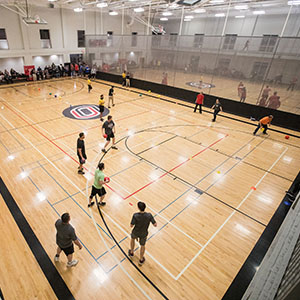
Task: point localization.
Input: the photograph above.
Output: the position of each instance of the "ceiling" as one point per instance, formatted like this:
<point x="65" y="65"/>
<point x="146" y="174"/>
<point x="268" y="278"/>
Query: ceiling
<point x="158" y="7"/>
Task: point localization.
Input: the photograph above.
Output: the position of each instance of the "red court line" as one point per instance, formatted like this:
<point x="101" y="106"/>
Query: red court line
<point x="97" y="126"/>
<point x="161" y="176"/>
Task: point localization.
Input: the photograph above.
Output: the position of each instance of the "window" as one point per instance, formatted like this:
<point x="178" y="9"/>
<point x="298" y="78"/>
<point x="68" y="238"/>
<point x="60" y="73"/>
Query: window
<point x="45" y="38"/>
<point x="109" y="38"/>
<point x="259" y="70"/>
<point x="3" y="39"/>
<point x="173" y="39"/>
<point x="133" y="39"/>
<point x="156" y="39"/>
<point x="198" y="40"/>
<point x="268" y="43"/>
<point x="81" y="38"/>
<point x="229" y="41"/>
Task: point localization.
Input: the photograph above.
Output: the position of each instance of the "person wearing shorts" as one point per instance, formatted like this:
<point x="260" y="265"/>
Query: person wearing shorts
<point x="98" y="188"/>
<point x="111" y="96"/>
<point x="199" y="102"/>
<point x="109" y="130"/>
<point x="263" y="123"/>
<point x="65" y="237"/>
<point x="140" y="221"/>
<point x="217" y="107"/>
<point x="101" y="107"/>
<point x="89" y="85"/>
<point x="81" y="152"/>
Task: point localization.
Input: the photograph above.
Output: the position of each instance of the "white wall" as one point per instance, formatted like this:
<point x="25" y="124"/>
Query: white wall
<point x="42" y="61"/>
<point x="16" y="63"/>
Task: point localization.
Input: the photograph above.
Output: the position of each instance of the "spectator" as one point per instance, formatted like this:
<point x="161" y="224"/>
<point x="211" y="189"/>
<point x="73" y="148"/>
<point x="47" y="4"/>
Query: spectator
<point x="274" y="101"/>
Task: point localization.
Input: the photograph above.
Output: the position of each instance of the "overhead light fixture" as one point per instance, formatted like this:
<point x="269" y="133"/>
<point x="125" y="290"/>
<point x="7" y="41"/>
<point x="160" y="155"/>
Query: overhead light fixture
<point x="259" y="12"/>
<point x="199" y="10"/>
<point x="294" y="2"/>
<point x="241" y="7"/>
<point x="78" y="9"/>
<point x="216" y="1"/>
<point x="187" y="20"/>
<point x="164" y="19"/>
<point x="239" y="17"/>
<point x="220" y="15"/>
<point x="138" y="9"/>
<point x="52" y="0"/>
<point x="113" y="13"/>
<point x="102" y="4"/>
<point x="167" y="13"/>
<point x="189" y="17"/>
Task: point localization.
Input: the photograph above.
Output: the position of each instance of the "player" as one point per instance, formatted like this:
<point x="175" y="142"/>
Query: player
<point x="274" y="101"/>
<point x="109" y="130"/>
<point x="217" y="108"/>
<point x="140" y="221"/>
<point x="239" y="88"/>
<point x="111" y="96"/>
<point x="81" y="152"/>
<point x="89" y="85"/>
<point x="199" y="101"/>
<point x="98" y="188"/>
<point x="101" y="107"/>
<point x="243" y="94"/>
<point x="124" y="78"/>
<point x="264" y="123"/>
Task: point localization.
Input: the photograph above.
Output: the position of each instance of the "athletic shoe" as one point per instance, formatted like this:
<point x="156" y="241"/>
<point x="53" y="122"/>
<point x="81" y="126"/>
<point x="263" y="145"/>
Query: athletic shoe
<point x="101" y="119"/>
<point x="56" y="258"/>
<point x="141" y="262"/>
<point x="114" y="147"/>
<point x="81" y="172"/>
<point x="72" y="263"/>
<point x="130" y="254"/>
<point x="113" y="105"/>
<point x="92" y="203"/>
<point x="102" y="203"/>
<point x="104" y="151"/>
<point x="108" y="106"/>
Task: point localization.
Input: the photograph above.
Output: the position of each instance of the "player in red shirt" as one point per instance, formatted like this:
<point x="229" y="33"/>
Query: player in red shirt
<point x="199" y="101"/>
<point x="274" y="101"/>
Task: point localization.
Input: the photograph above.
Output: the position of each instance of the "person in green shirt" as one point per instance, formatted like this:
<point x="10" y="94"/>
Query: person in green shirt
<point x="98" y="187"/>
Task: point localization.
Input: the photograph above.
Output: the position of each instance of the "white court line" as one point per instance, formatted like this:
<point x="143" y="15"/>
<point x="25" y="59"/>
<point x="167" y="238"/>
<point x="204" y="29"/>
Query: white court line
<point x="219" y="229"/>
<point x="17" y="130"/>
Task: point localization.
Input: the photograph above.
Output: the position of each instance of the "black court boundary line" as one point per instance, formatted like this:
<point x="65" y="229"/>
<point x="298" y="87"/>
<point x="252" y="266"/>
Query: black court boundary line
<point x="136" y="267"/>
<point x="185" y="105"/>
<point x="242" y="280"/>
<point x="188" y="183"/>
<point x="58" y="285"/>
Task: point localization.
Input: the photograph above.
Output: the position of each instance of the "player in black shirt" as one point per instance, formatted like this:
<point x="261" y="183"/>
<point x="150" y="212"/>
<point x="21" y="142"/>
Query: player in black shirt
<point x="140" y="221"/>
<point x="108" y="131"/>
<point x="111" y="96"/>
<point x="81" y="152"/>
<point x="217" y="108"/>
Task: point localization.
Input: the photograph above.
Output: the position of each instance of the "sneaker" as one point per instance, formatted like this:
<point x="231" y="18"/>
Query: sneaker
<point x="72" y="263"/>
<point x="114" y="147"/>
<point x="130" y="254"/>
<point x="104" y="151"/>
<point x="141" y="262"/>
<point x="81" y="172"/>
<point x="113" y="105"/>
<point x="56" y="258"/>
<point x="92" y="203"/>
<point x="102" y="203"/>
<point x="101" y="119"/>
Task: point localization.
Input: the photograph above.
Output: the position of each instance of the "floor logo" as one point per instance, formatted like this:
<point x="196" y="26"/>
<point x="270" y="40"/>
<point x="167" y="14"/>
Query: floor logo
<point x="200" y="84"/>
<point x="84" y="112"/>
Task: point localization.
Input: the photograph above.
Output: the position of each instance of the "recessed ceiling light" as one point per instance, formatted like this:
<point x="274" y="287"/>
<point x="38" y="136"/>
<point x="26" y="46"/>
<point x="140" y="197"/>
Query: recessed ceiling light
<point x="240" y="7"/>
<point x="138" y="9"/>
<point x="199" y="10"/>
<point x="167" y="13"/>
<point x="294" y="2"/>
<point x="113" y="13"/>
<point x="259" y="12"/>
<point x="164" y="19"/>
<point x="189" y="17"/>
<point x="216" y="1"/>
<point x="187" y="20"/>
<point x="220" y="15"/>
<point x="239" y="17"/>
<point x="78" y="9"/>
<point x="52" y="0"/>
<point x="102" y="4"/>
